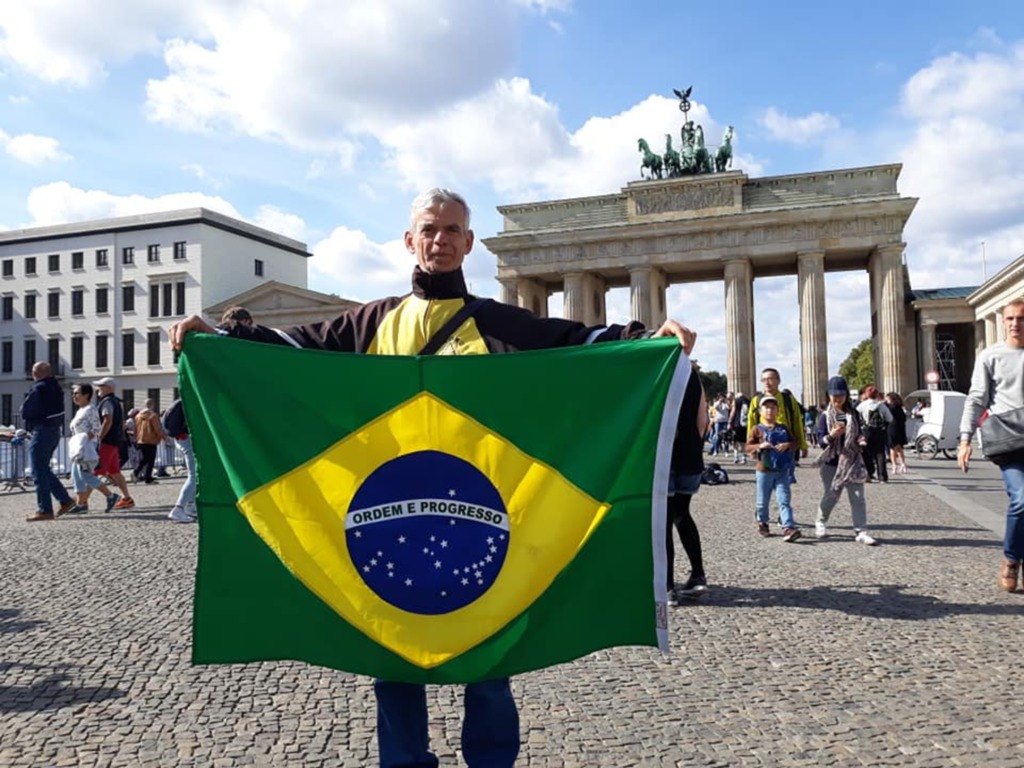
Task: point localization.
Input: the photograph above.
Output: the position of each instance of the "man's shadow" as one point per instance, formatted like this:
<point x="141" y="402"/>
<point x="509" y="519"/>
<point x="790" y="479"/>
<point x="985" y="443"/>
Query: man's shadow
<point x="11" y="621"/>
<point x="49" y="690"/>
<point x="879" y="601"/>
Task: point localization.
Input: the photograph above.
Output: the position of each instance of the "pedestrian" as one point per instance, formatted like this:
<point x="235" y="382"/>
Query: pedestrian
<point x="789" y="413"/>
<point x="738" y="424"/>
<point x="897" y="432"/>
<point x="721" y="408"/>
<point x="148" y="435"/>
<point x="684" y="482"/>
<point x="441" y="316"/>
<point x="85" y="425"/>
<point x="111" y="438"/>
<point x="841" y="463"/>
<point x="876" y="418"/>
<point x="772" y="442"/>
<point x="236" y="314"/>
<point x="997" y="384"/>
<point x="43" y="415"/>
<point x="184" y="509"/>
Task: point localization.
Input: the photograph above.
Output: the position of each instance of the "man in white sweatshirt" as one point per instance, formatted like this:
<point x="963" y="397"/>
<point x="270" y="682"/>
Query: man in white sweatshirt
<point x="998" y="385"/>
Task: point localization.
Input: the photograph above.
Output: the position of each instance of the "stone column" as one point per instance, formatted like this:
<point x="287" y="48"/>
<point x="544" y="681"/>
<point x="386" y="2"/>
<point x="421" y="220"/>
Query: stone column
<point x="991" y="330"/>
<point x="929" y="358"/>
<point x="509" y="295"/>
<point x="533" y="295"/>
<point x="979" y="336"/>
<point x="573" y="304"/>
<point x="739" y="326"/>
<point x="647" y="296"/>
<point x="813" y="339"/>
<point x="890" y="376"/>
<point x="594" y="299"/>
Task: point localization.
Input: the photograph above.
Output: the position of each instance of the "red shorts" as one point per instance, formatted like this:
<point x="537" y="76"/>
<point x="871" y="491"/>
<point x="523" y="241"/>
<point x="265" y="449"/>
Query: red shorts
<point x="110" y="460"/>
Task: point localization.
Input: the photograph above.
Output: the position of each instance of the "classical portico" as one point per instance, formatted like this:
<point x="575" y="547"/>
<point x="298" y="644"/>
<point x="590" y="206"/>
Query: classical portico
<point x="726" y="227"/>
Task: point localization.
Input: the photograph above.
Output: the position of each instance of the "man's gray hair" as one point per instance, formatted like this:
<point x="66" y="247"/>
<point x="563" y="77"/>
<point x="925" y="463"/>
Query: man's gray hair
<point x="436" y="196"/>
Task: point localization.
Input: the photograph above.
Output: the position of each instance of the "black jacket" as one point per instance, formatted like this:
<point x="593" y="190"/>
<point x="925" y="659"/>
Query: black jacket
<point x="44" y="405"/>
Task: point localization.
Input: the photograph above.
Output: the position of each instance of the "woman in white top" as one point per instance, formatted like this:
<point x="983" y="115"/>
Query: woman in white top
<point x="86" y="421"/>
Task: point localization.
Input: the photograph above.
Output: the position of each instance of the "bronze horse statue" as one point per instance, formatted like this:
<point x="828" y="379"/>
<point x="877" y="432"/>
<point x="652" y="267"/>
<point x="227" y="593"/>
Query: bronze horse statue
<point x="651" y="161"/>
<point x="673" y="164"/>
<point x="723" y="157"/>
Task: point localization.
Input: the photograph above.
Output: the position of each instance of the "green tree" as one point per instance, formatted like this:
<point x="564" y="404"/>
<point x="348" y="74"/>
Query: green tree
<point x="859" y="366"/>
<point x="715" y="384"/>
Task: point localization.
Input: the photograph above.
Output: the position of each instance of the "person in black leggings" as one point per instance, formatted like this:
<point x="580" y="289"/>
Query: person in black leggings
<point x="684" y="481"/>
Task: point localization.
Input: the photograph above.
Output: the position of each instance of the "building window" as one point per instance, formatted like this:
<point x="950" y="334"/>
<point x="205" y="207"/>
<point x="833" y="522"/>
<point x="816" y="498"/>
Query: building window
<point x="8" y="268"/>
<point x="53" y="353"/>
<point x="54" y="262"/>
<point x="102" y="300"/>
<point x="179" y="250"/>
<point x="168" y="291"/>
<point x="30" y="306"/>
<point x="53" y="304"/>
<point x="30" y="355"/>
<point x="77" y="302"/>
<point x="153" y="348"/>
<point x="128" y="297"/>
<point x="77" y="260"/>
<point x="128" y="255"/>
<point x="7" y="409"/>
<point x="101" y="257"/>
<point x="154" y="395"/>
<point x="7" y="355"/>
<point x="179" y="298"/>
<point x="128" y="348"/>
<point x="258" y="265"/>
<point x="152" y="253"/>
<point x="77" y="352"/>
<point x="176" y="394"/>
<point x="128" y="399"/>
<point x="8" y="308"/>
<point x="30" y="265"/>
<point x="101" y="351"/>
<point x="154" y="300"/>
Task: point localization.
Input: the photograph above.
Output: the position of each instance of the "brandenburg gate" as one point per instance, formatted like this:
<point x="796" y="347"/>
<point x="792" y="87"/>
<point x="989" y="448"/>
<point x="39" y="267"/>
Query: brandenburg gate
<point x="723" y="226"/>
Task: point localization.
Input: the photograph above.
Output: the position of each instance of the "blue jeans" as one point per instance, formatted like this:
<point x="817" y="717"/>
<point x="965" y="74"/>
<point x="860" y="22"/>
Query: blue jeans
<point x="187" y="494"/>
<point x="1013" y="542"/>
<point x="779" y="482"/>
<point x="490" y="725"/>
<point x="717" y="432"/>
<point x="83" y="478"/>
<point x="41" y="446"/>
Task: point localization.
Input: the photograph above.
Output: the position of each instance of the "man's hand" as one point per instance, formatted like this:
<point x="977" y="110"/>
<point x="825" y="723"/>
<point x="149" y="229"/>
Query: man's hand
<point x="963" y="456"/>
<point x="687" y="338"/>
<point x="191" y="323"/>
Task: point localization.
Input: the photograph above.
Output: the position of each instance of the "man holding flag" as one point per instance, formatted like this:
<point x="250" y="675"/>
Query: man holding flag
<point x="438" y="317"/>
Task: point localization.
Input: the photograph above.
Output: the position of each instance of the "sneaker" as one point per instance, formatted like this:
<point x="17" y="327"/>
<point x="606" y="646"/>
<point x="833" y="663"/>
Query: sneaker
<point x="112" y="499"/>
<point x="762" y="530"/>
<point x="693" y="586"/>
<point x="863" y="537"/>
<point x="1008" y="572"/>
<point x="126" y="503"/>
<point x="671" y="598"/>
<point x="820" y="530"/>
<point x="790" y="535"/>
<point x="179" y="515"/>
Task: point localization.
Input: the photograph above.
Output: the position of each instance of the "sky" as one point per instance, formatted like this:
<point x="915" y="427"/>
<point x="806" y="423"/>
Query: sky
<point x="322" y="119"/>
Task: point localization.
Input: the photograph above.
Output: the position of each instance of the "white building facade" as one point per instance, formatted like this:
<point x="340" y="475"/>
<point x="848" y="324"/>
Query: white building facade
<point x="96" y="298"/>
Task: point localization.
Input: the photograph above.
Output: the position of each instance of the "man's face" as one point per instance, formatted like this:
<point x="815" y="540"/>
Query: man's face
<point x="770" y="381"/>
<point x="1013" y="323"/>
<point x="439" y="237"/>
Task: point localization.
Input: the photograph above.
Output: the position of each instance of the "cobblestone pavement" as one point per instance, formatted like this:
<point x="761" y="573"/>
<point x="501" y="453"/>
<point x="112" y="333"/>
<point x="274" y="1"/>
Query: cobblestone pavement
<point x="807" y="654"/>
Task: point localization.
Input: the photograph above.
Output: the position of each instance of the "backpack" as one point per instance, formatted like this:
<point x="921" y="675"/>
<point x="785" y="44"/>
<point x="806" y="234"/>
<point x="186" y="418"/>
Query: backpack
<point x="174" y="420"/>
<point x="713" y="474"/>
<point x="876" y="422"/>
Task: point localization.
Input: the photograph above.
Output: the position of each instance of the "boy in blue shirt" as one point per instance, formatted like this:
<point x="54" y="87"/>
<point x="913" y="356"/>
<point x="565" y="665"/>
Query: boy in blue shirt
<point x="772" y="444"/>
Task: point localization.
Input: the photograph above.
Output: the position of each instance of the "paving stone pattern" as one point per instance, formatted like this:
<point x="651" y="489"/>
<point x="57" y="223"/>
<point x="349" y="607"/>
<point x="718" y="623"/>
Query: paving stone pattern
<point x="817" y="653"/>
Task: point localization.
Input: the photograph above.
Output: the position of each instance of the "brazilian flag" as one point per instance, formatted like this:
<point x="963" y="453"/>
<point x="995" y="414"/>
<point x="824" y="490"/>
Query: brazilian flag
<point x="430" y="519"/>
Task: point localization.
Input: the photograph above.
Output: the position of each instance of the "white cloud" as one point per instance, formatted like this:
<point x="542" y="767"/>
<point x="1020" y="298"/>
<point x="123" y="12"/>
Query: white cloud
<point x="32" y="149"/>
<point x="202" y="174"/>
<point x="965" y="161"/>
<point x="282" y="222"/>
<point x="798" y="130"/>
<point x="348" y="263"/>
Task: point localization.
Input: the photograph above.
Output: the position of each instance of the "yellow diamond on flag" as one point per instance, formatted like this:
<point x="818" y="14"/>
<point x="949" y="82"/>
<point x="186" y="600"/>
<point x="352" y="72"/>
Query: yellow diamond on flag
<point x="424" y="529"/>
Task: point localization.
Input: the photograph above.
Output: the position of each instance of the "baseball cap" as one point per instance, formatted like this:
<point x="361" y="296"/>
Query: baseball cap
<point x="106" y="381"/>
<point x="768" y="399"/>
<point x="837" y="386"/>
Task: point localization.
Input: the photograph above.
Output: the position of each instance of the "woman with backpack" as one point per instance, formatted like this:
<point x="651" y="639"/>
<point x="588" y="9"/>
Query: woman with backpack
<point x="876" y="418"/>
